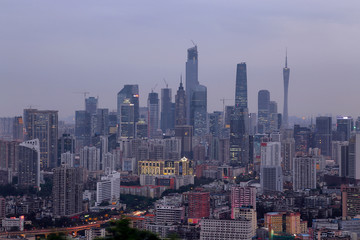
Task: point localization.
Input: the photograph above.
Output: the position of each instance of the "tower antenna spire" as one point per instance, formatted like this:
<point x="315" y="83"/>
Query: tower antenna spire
<point x="286" y="58"/>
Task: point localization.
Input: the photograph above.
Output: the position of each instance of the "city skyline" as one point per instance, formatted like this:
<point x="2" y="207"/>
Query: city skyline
<point x="66" y="49"/>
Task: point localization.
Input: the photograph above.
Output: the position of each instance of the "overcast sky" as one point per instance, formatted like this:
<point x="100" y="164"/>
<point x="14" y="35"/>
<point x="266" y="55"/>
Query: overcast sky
<point x="51" y="49"/>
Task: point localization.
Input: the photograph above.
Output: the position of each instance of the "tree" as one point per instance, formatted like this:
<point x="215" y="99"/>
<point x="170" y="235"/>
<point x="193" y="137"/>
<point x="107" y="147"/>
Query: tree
<point x="120" y="230"/>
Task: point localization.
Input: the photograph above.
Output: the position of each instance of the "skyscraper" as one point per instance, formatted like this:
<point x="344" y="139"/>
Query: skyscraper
<point x="286" y="75"/>
<point x="180" y="106"/>
<point x="153" y="115"/>
<point x="198" y="113"/>
<point x="18" y="128"/>
<point x="263" y="111"/>
<point x="66" y="143"/>
<point x="323" y="135"/>
<point x="91" y="104"/>
<point x="191" y="78"/>
<point x="43" y="125"/>
<point x="29" y="163"/>
<point x="239" y="139"/>
<point x="344" y="127"/>
<point x="129" y="98"/>
<point x="82" y="129"/>
<point x="304" y="173"/>
<point x="102" y="121"/>
<point x="271" y="177"/>
<point x="67" y="191"/>
<point x="166" y="114"/>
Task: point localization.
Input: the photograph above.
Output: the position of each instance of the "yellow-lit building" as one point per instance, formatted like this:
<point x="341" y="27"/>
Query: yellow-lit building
<point x="161" y="167"/>
<point x="281" y="222"/>
<point x="293" y="223"/>
<point x="274" y="222"/>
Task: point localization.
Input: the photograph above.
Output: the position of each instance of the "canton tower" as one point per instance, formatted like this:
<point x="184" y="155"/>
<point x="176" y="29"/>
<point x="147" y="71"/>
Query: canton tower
<point x="286" y="74"/>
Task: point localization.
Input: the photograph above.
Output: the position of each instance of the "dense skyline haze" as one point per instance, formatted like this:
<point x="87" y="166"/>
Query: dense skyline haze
<point x="49" y="50"/>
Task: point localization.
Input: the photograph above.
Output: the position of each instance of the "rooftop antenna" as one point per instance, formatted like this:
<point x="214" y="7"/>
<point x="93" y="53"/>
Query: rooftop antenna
<point x="193" y="43"/>
<point x="286" y="58"/>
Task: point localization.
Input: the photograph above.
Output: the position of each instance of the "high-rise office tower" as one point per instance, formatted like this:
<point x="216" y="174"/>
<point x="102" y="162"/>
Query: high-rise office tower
<point x="102" y="121"/>
<point x="353" y="163"/>
<point x="303" y="139"/>
<point x="191" y="78"/>
<point x="18" y="129"/>
<point x="82" y="129"/>
<point x="6" y="128"/>
<point x="343" y="159"/>
<point x="91" y="104"/>
<point x="286" y="75"/>
<point x="29" y="163"/>
<point x="127" y="126"/>
<point x="274" y="118"/>
<point x="153" y="115"/>
<point x="129" y="98"/>
<point x="185" y="134"/>
<point x="239" y="139"/>
<point x="166" y="113"/>
<point x="198" y="113"/>
<point x="263" y="111"/>
<point x="215" y="123"/>
<point x="288" y="153"/>
<point x="67" y="191"/>
<point x="66" y="143"/>
<point x="323" y="135"/>
<point x="180" y="106"/>
<point x="304" y="173"/>
<point x="344" y="127"/>
<point x="43" y="125"/>
<point x="271" y="177"/>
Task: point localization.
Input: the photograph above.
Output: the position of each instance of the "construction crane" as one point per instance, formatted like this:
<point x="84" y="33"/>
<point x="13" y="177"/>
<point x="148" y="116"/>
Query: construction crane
<point x="193" y="43"/>
<point x="166" y="84"/>
<point x="152" y="90"/>
<point x="223" y="101"/>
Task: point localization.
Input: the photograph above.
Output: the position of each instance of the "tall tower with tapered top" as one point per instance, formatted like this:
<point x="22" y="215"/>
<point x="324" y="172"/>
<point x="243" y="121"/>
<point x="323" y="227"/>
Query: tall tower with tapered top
<point x="286" y="74"/>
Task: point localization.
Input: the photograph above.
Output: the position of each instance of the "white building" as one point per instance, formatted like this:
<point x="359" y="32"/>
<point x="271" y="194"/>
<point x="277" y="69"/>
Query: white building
<point x="215" y="229"/>
<point x="68" y="158"/>
<point x="169" y="210"/>
<point x="9" y="223"/>
<point x="109" y="163"/>
<point x="108" y="189"/>
<point x="90" y="158"/>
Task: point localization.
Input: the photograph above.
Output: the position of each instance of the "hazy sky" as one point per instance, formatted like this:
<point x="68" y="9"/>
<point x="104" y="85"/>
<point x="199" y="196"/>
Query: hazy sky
<point x="51" y="49"/>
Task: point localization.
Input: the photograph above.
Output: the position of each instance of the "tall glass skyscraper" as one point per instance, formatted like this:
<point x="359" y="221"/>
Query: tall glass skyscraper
<point x="128" y="110"/>
<point x="286" y="74"/>
<point x="263" y="110"/>
<point x="198" y="106"/>
<point x="43" y="125"/>
<point x="191" y="78"/>
<point x="153" y="115"/>
<point x="239" y="137"/>
<point x="166" y="115"/>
